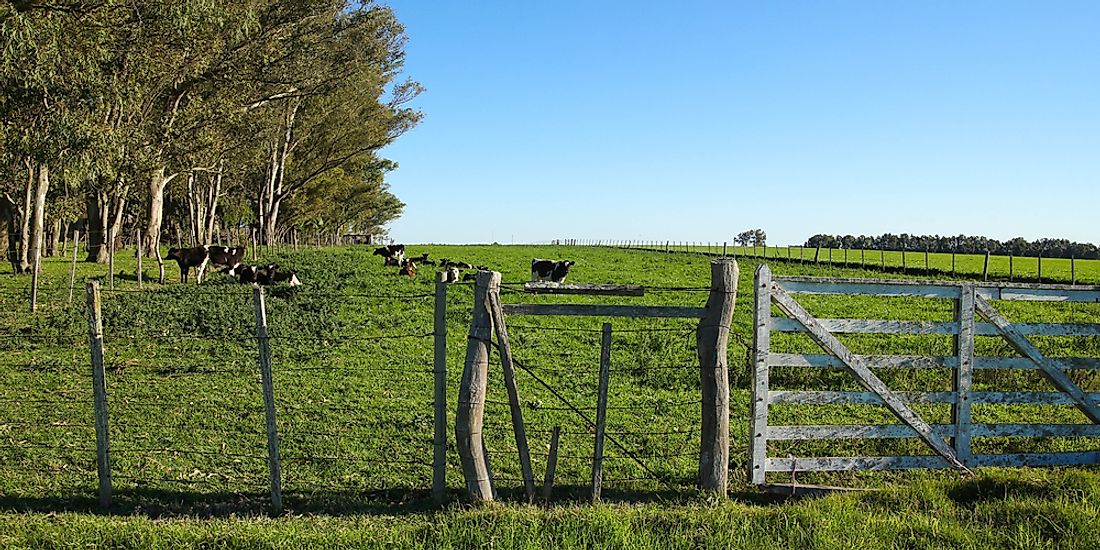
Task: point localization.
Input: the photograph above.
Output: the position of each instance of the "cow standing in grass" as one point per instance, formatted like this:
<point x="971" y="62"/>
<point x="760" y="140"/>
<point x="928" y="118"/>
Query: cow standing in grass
<point x="200" y="256"/>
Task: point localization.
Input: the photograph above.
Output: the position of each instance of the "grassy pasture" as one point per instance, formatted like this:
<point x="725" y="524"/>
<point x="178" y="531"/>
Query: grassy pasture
<point x="967" y="266"/>
<point x="352" y="360"/>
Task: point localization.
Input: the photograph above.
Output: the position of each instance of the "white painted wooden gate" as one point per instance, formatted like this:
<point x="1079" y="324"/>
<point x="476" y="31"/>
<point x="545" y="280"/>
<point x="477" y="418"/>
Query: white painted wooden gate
<point x="950" y="443"/>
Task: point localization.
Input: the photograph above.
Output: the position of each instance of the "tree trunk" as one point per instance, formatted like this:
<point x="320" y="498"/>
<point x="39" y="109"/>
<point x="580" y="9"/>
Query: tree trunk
<point x="38" y="224"/>
<point x="8" y="212"/>
<point x="96" y="203"/>
<point x="155" y="215"/>
<point x="54" y="247"/>
<point x="212" y="203"/>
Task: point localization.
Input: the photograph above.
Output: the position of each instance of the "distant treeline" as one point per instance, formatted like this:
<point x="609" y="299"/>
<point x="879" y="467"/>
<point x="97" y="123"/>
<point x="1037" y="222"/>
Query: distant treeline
<point x="962" y="244"/>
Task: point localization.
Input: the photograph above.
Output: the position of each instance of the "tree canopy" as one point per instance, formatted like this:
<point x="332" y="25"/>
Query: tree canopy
<point x="210" y="117"/>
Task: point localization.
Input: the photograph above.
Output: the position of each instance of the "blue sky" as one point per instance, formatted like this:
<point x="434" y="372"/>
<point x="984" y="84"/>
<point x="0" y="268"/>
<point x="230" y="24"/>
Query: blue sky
<point x="696" y="120"/>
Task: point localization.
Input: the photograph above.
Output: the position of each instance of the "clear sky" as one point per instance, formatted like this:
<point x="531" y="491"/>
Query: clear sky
<point x="695" y="120"/>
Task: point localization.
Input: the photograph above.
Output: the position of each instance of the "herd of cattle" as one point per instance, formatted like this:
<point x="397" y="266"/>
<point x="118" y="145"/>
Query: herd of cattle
<point x="230" y="259"/>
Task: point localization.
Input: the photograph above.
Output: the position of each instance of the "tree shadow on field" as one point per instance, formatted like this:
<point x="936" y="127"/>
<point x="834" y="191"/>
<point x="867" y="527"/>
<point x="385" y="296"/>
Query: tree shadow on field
<point x="161" y="503"/>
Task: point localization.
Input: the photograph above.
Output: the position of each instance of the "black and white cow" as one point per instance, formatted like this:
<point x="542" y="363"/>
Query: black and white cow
<point x="200" y="256"/>
<point x="394" y="251"/>
<point x="445" y="263"/>
<point x="550" y="270"/>
<point x="262" y="274"/>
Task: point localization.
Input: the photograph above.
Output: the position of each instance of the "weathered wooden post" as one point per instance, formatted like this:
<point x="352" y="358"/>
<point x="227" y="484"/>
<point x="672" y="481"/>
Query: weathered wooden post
<point x="264" y="342"/>
<point x="601" y="412"/>
<point x="1011" y="269"/>
<point x="712" y="341"/>
<point x="439" y="455"/>
<point x="985" y="267"/>
<point x="137" y="250"/>
<point x="1040" y="267"/>
<point x="758" y="406"/>
<point x="963" y="379"/>
<point x="1073" y="270"/>
<point x="72" y="266"/>
<point x="36" y="266"/>
<point x="111" y="258"/>
<point x="514" y="404"/>
<point x="99" y="393"/>
<point x="469" y="417"/>
<point x="551" y="465"/>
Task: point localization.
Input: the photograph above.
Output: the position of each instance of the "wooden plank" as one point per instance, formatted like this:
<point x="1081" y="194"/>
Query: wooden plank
<point x="871" y="287"/>
<point x="264" y="343"/>
<point x="439" y="440"/>
<point x="99" y="393"/>
<point x="601" y="412"/>
<point x="871" y="398"/>
<point x="964" y="373"/>
<point x="869" y="326"/>
<point x="514" y="404"/>
<point x="902" y="431"/>
<point x="853" y="398"/>
<point x="1046" y="368"/>
<point x="865" y="376"/>
<point x="1064" y="363"/>
<point x="758" y="419"/>
<point x="712" y="346"/>
<point x="595" y="310"/>
<point x="816" y="360"/>
<point x="910" y="462"/>
<point x="1042" y="329"/>
<point x="544" y="287"/>
<point x="821" y="360"/>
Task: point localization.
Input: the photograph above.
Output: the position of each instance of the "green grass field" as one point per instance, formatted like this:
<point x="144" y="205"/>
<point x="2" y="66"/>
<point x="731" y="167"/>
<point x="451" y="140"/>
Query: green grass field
<point x="352" y="357"/>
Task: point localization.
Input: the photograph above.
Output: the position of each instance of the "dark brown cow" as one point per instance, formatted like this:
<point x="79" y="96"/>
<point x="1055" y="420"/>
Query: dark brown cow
<point x="200" y="256"/>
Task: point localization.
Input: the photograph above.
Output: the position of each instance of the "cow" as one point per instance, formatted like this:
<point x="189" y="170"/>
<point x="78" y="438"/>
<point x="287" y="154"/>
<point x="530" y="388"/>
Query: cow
<point x="200" y="256"/>
<point x="451" y="275"/>
<point x="466" y="277"/>
<point x="550" y="270"/>
<point x="262" y="275"/>
<point x="391" y="251"/>
<point x="445" y="263"/>
<point x="422" y="259"/>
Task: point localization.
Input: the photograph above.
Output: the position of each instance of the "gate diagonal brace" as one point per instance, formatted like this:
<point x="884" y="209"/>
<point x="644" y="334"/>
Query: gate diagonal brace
<point x="1047" y="369"/>
<point x="830" y="343"/>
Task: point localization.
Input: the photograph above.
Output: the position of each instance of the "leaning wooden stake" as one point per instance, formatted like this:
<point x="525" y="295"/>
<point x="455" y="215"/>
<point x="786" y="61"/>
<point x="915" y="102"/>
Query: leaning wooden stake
<point x="712" y="341"/>
<point x="551" y="465"/>
<point x="264" y="342"/>
<point x="439" y="454"/>
<point x="513" y="395"/>
<point x="469" y="418"/>
<point x="99" y="393"/>
<point x="601" y="412"/>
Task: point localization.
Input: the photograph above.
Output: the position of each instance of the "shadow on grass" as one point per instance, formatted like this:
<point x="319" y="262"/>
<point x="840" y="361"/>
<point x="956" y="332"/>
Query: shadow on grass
<point x="163" y="503"/>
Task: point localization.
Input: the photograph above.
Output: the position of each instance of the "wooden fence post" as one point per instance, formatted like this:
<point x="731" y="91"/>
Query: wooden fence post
<point x="469" y="418"/>
<point x="264" y="342"/>
<point x="518" y="429"/>
<point x="1040" y="267"/>
<point x="758" y="406"/>
<point x="99" y="393"/>
<point x="137" y="250"/>
<point x="72" y="267"/>
<point x="985" y="267"/>
<point x="36" y="266"/>
<point x="1072" y="270"/>
<point x="439" y="456"/>
<point x="601" y="412"/>
<point x="111" y="258"/>
<point x="1011" y="269"/>
<point x="712" y="343"/>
